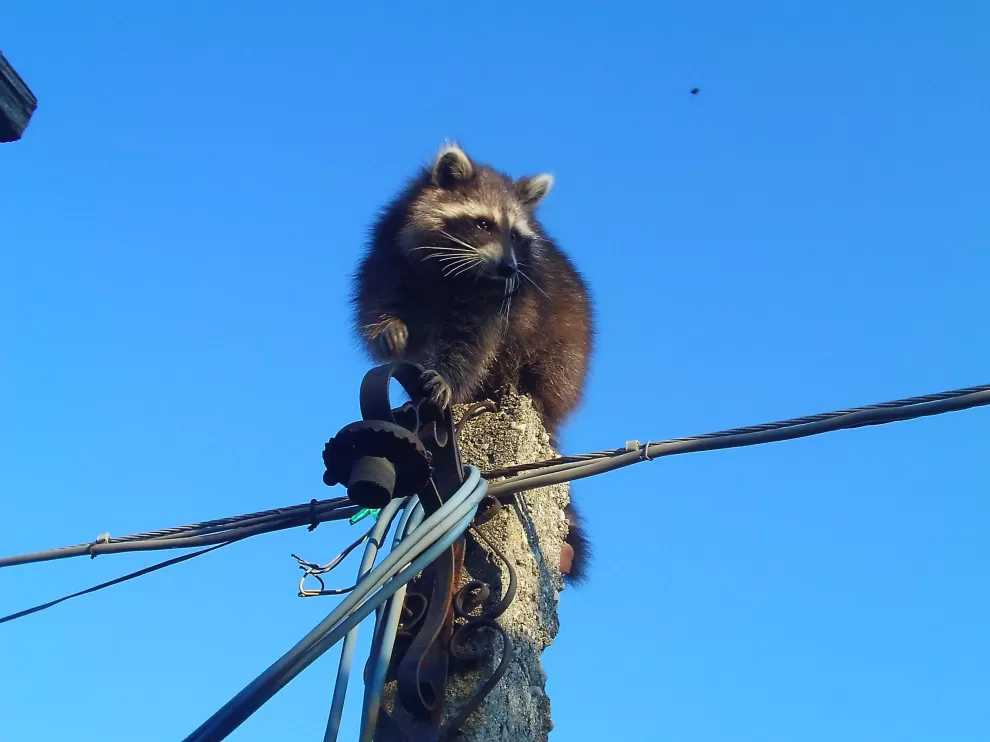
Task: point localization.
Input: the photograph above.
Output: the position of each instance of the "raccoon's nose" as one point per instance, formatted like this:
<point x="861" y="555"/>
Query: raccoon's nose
<point x="507" y="267"/>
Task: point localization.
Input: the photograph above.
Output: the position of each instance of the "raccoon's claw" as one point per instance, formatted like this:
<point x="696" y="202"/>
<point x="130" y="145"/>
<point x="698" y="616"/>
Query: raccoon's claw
<point x="437" y="388"/>
<point x="394" y="338"/>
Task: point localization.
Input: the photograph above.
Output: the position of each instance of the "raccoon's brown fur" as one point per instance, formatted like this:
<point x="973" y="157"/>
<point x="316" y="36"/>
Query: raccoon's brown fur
<point x="461" y="278"/>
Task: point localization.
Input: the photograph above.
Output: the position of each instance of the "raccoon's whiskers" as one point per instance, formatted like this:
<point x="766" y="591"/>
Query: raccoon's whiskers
<point x="444" y="254"/>
<point x="441" y="247"/>
<point x="458" y="241"/>
<point x="523" y="274"/>
<point x="458" y="270"/>
<point x="507" y="304"/>
<point x="442" y="258"/>
<point x="448" y="269"/>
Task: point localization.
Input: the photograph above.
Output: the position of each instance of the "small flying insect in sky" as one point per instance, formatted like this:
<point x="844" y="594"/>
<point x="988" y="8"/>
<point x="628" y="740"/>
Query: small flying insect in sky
<point x="695" y="91"/>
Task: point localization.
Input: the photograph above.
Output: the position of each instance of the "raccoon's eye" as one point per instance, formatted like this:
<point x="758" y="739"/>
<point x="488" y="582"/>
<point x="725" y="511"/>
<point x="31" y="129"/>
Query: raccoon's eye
<point x="484" y="225"/>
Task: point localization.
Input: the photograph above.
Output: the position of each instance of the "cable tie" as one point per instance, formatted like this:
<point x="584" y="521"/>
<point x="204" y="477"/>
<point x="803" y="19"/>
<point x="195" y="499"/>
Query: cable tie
<point x="646" y="452"/>
<point x="312" y="515"/>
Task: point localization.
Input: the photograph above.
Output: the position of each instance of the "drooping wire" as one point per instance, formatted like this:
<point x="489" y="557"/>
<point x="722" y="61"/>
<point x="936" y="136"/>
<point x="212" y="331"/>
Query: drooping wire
<point x="374" y="538"/>
<point x="517" y="478"/>
<point x="413" y="554"/>
<point x="111" y="583"/>
<point x="383" y="640"/>
<point x="389" y="577"/>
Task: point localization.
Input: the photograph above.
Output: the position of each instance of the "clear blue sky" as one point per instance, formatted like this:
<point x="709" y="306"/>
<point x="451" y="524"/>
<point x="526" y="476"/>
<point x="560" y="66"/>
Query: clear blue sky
<point x="810" y="232"/>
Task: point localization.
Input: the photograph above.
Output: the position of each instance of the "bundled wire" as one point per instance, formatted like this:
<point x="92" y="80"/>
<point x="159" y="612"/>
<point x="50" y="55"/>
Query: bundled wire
<point x="419" y="542"/>
<point x="375" y="538"/>
<point x="382" y="640"/>
<point x="413" y="554"/>
<point x="566" y="469"/>
<point x="224" y="531"/>
<point x="220" y="531"/>
<point x="213" y="535"/>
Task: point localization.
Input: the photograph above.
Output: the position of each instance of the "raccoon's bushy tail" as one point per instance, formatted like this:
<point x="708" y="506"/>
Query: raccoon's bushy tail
<point x="577" y="539"/>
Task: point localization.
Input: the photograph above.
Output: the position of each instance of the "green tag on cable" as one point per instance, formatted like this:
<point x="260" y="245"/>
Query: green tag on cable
<point x="364" y="513"/>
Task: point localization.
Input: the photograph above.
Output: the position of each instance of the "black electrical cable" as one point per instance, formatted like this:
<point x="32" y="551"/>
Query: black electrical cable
<point x="201" y="534"/>
<point x="529" y="476"/>
<point x="410" y="557"/>
<point x="186" y="542"/>
<point x="756" y="435"/>
<point x="218" y="540"/>
<point x="550" y="465"/>
<point x="222" y="532"/>
<point x="111" y="583"/>
<point x="236" y="520"/>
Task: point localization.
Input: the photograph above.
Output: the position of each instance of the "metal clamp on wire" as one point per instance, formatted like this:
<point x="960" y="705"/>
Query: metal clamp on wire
<point x="644" y="450"/>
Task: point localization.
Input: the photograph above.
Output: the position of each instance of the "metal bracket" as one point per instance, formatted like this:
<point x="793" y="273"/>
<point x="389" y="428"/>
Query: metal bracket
<point x="395" y="452"/>
<point x="435" y="427"/>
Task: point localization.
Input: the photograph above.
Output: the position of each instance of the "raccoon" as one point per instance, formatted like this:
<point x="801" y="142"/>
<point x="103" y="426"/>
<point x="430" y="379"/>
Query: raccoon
<point x="460" y="277"/>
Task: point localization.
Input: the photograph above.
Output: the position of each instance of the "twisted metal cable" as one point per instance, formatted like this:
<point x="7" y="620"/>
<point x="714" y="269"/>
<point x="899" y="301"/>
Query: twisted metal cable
<point x="201" y="534"/>
<point x="787" y="430"/>
<point x="546" y="466"/>
<point x="229" y="521"/>
<point x="518" y="477"/>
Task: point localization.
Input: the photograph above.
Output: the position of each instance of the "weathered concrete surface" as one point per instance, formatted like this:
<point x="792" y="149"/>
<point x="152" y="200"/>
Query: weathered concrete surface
<point x="531" y="535"/>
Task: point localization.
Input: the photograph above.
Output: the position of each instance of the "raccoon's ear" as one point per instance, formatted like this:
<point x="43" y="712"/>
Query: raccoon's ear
<point x="532" y="188"/>
<point x="452" y="166"/>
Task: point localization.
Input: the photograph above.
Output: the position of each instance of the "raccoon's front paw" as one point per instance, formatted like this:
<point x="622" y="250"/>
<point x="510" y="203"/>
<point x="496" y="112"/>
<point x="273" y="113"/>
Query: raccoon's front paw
<point x="394" y="338"/>
<point x="437" y="389"/>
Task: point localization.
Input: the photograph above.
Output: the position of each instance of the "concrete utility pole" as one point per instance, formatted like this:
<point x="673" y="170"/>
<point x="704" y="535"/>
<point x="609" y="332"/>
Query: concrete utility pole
<point x="531" y="535"/>
<point x="17" y="103"/>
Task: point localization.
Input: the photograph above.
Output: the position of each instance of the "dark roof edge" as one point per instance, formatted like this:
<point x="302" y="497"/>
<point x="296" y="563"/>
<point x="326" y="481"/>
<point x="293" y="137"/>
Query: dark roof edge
<point x="17" y="103"/>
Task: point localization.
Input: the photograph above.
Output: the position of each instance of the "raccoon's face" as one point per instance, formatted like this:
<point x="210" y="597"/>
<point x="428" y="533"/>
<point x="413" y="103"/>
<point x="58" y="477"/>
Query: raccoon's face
<point x="471" y="221"/>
